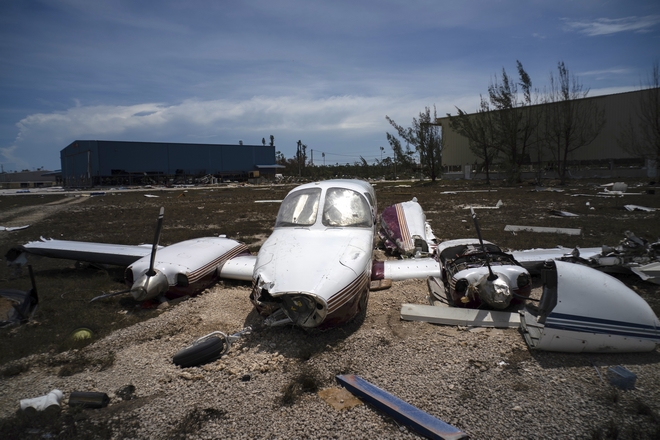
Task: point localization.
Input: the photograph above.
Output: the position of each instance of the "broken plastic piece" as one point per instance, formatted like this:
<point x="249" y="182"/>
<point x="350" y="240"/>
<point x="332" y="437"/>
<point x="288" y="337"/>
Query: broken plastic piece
<point x="49" y="402"/>
<point x="621" y="377"/>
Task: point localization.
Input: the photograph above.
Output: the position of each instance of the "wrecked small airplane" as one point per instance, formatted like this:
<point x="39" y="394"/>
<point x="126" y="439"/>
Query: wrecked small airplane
<point x="405" y="231"/>
<point x="315" y="269"/>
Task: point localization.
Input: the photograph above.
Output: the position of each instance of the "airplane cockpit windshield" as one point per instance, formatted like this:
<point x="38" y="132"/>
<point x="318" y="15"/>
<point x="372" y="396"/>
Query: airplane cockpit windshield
<point x="346" y="208"/>
<point x="299" y="208"/>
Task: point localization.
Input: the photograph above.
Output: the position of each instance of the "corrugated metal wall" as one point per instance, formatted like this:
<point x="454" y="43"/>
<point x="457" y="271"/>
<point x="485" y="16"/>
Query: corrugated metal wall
<point x="84" y="160"/>
<point x="618" y="109"/>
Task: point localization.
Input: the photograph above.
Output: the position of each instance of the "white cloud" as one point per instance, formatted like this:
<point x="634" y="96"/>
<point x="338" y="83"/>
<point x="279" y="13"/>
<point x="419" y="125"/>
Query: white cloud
<point x="323" y="123"/>
<point x="607" y="26"/>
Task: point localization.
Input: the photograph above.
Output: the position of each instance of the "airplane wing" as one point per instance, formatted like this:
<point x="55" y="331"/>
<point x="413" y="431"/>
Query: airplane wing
<point x="99" y="253"/>
<point x="239" y="268"/>
<point x="533" y="259"/>
<point x="397" y="270"/>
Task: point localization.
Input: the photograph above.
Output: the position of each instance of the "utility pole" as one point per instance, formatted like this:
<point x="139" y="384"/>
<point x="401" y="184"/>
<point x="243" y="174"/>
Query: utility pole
<point x="299" y="156"/>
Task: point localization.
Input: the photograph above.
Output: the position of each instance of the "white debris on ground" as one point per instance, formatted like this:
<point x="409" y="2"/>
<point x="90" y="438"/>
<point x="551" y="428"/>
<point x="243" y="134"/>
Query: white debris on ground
<point x="486" y="382"/>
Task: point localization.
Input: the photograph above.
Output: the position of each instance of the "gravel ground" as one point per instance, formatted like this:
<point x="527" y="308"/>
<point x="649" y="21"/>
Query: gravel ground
<point x="483" y="381"/>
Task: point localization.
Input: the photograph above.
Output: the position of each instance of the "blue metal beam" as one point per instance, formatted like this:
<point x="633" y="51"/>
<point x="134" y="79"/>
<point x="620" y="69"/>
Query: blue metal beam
<point x="406" y="414"/>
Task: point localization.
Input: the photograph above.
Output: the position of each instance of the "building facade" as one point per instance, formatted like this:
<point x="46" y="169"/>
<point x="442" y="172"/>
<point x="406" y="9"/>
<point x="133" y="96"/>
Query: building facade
<point x="87" y="163"/>
<point x="618" y="109"/>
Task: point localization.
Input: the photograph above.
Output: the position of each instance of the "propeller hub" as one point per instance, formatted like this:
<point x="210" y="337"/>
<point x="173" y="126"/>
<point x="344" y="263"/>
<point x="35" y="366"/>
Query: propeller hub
<point x="496" y="293"/>
<point x="149" y="286"/>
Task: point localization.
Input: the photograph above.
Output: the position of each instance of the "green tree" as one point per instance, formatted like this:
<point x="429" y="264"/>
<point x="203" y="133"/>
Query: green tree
<point x="425" y="137"/>
<point x="513" y="126"/>
<point x="479" y="131"/>
<point x="571" y="122"/>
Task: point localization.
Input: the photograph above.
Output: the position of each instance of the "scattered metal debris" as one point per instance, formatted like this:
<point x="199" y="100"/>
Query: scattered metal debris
<point x="562" y="213"/>
<point x="568" y="231"/>
<point x="639" y="208"/>
<point x="13" y="228"/>
<point x="548" y="189"/>
<point x="497" y="206"/>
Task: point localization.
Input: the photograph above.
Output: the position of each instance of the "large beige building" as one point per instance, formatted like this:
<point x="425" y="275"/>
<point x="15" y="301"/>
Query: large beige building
<point x="618" y="108"/>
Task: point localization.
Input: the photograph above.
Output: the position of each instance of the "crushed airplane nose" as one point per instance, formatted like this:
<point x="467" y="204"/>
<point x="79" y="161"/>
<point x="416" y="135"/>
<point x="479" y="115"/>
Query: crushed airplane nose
<point x="301" y="309"/>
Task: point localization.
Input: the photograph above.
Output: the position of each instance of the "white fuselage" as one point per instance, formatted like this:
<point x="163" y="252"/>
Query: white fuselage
<point x="316" y="266"/>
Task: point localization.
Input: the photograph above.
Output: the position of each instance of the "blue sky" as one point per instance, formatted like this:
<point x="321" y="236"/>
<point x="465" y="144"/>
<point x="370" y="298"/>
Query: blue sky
<point x="324" y="72"/>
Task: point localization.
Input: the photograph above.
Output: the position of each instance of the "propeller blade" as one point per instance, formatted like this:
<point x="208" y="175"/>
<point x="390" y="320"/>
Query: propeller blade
<point x="108" y="295"/>
<point x="159" y="227"/>
<point x="492" y="275"/>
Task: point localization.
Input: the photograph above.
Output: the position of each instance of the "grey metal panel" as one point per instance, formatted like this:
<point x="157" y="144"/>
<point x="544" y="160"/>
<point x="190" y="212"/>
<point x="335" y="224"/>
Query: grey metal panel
<point x="191" y="159"/>
<point x="132" y="157"/>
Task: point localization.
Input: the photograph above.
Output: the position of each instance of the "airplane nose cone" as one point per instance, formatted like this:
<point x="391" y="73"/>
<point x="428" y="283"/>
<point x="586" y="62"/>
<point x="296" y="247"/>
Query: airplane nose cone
<point x="147" y="287"/>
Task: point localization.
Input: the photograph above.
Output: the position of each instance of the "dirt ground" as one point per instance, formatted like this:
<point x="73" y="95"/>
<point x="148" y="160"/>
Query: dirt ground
<point x="129" y="218"/>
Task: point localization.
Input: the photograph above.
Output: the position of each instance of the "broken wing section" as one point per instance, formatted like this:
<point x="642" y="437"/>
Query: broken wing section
<point x="632" y="254"/>
<point x="98" y="253"/>
<point x="585" y="310"/>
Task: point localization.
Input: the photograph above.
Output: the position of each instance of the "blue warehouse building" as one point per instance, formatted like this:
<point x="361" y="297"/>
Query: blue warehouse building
<point x="92" y="163"/>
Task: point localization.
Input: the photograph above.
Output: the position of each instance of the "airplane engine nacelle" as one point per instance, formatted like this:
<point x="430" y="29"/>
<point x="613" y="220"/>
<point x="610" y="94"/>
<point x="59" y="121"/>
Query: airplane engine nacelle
<point x="150" y="286"/>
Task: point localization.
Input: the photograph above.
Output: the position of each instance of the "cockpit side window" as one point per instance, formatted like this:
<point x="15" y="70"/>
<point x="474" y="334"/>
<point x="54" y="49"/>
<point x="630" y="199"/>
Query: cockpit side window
<point x="346" y="208"/>
<point x="299" y="208"/>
